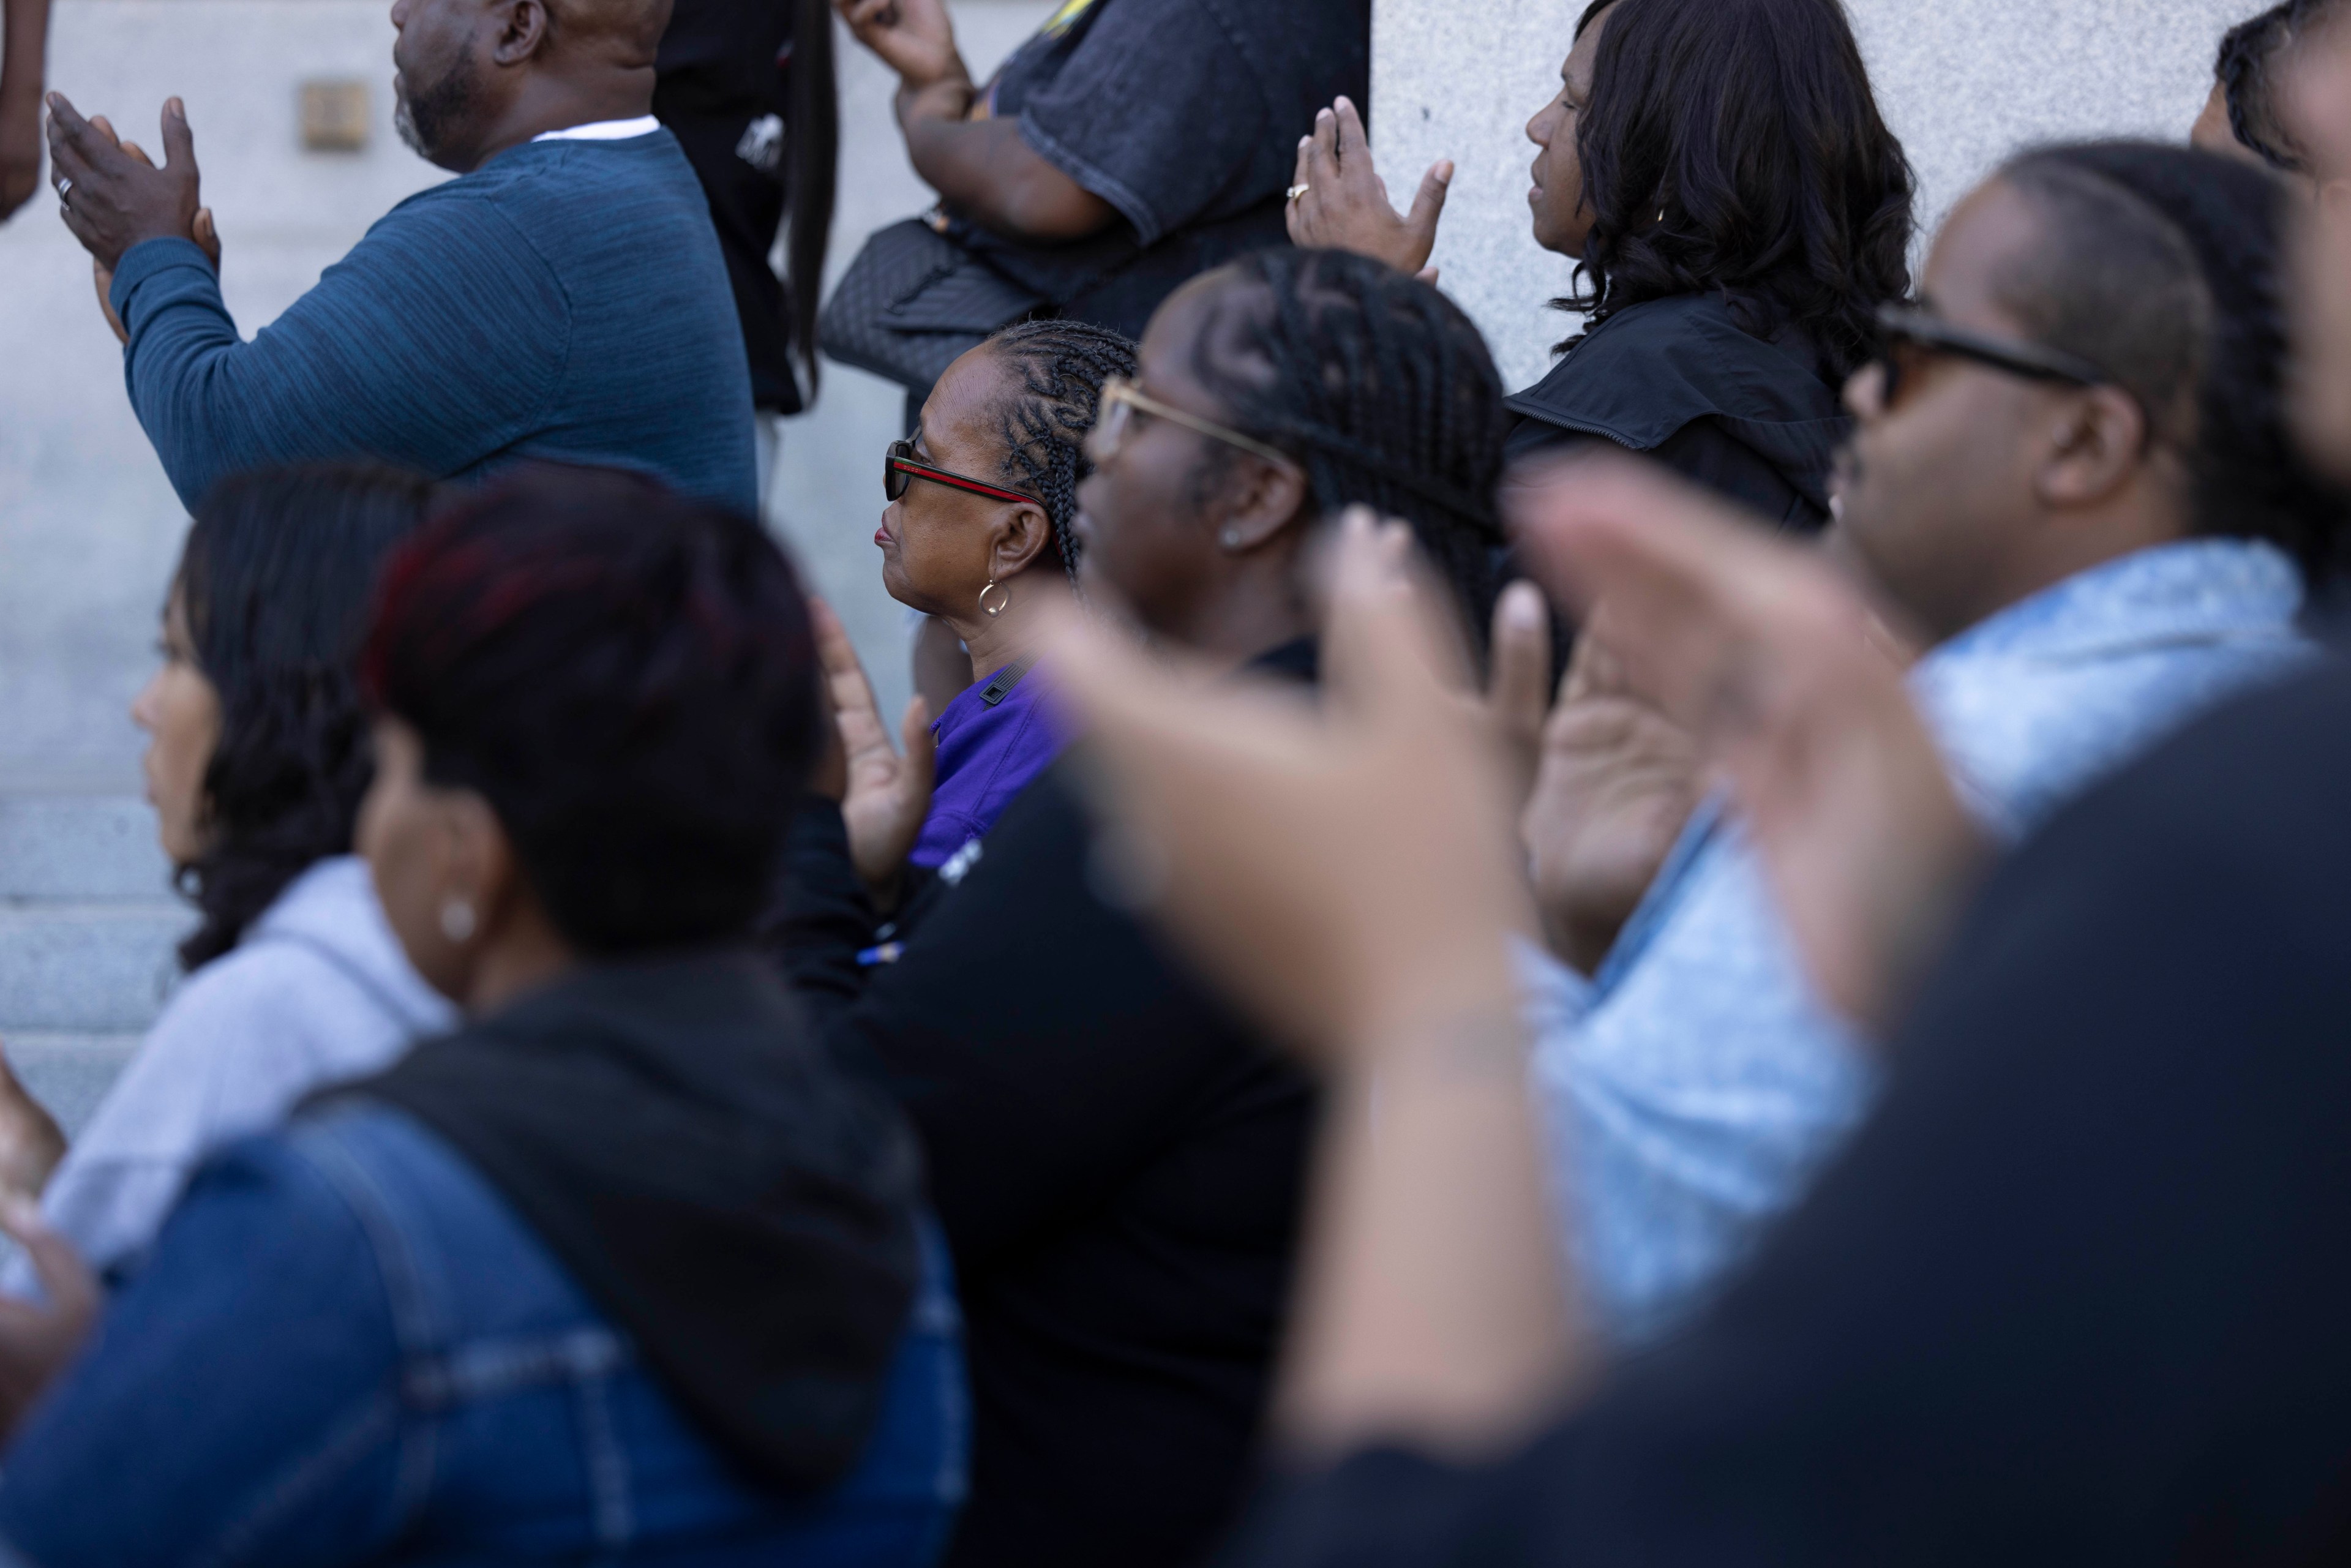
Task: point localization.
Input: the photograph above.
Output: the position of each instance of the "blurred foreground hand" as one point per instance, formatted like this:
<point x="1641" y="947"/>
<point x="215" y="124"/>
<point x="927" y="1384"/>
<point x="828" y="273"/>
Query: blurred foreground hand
<point x="1762" y="652"/>
<point x="1348" y="870"/>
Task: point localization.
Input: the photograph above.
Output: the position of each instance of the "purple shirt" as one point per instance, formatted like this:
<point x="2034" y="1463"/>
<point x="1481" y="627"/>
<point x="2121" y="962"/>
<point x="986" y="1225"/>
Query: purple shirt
<point x="992" y="741"/>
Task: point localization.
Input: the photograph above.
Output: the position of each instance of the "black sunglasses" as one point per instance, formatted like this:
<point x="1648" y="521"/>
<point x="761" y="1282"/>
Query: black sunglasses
<point x="1901" y="325"/>
<point x="901" y="469"/>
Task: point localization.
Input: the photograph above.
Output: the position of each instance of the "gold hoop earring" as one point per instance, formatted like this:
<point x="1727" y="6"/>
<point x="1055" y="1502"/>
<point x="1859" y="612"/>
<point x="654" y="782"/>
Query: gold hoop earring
<point x="992" y="610"/>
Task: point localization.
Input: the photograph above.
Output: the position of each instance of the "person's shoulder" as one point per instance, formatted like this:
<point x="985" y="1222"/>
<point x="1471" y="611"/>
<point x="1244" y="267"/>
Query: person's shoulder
<point x="2271" y="761"/>
<point x="1651" y="368"/>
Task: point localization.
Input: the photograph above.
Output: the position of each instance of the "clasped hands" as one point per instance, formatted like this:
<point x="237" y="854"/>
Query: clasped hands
<point x="113" y="196"/>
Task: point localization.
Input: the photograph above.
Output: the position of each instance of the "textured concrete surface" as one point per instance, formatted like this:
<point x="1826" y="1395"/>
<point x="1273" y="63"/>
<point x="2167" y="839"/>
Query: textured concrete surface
<point x="1961" y="85"/>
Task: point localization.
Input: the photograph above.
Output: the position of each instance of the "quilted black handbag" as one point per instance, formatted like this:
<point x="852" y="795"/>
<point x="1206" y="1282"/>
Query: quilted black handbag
<point x="913" y="301"/>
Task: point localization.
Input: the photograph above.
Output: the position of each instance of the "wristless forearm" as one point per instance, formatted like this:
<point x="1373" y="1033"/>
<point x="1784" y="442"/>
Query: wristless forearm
<point x="21" y="54"/>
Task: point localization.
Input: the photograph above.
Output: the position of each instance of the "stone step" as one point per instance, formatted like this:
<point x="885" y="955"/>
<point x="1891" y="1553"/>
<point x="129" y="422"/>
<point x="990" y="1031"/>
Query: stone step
<point x="69" y="1073"/>
<point x="87" y="967"/>
<point x="84" y="849"/>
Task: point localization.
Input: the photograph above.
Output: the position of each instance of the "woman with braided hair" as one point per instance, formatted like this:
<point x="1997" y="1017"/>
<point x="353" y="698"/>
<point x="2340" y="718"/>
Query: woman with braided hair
<point x="1118" y="1161"/>
<point x="979" y="533"/>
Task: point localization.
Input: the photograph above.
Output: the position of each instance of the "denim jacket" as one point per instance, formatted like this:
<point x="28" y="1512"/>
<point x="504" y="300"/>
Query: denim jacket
<point x="347" y="1348"/>
<point x="1694" y="1085"/>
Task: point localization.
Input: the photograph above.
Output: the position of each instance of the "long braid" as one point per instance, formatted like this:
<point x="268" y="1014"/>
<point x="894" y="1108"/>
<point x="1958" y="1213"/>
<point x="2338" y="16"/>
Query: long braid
<point x="1382" y="390"/>
<point x="1062" y="366"/>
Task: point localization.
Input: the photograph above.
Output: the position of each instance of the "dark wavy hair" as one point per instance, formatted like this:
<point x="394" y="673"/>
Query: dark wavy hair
<point x="2165" y="267"/>
<point x="1750" y="125"/>
<point x="628" y="676"/>
<point x="275" y="582"/>
<point x="1380" y="387"/>
<point x="2247" y="70"/>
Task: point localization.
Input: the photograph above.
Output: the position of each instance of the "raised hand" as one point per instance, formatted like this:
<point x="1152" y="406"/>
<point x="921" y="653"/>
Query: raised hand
<point x="112" y="199"/>
<point x="1767" y="656"/>
<point x="913" y="38"/>
<point x="206" y="236"/>
<point x="1615" y="784"/>
<point x="885" y="796"/>
<point x="38" y="1340"/>
<point x="1345" y="205"/>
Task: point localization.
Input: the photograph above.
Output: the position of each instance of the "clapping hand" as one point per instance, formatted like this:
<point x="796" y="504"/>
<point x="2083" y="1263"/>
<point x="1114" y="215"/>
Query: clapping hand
<point x="1616" y="782"/>
<point x="885" y="797"/>
<point x="113" y="199"/>
<point x="1342" y="204"/>
<point x="1764" y="653"/>
<point x="38" y="1339"/>
<point x="206" y="236"/>
<point x="913" y="38"/>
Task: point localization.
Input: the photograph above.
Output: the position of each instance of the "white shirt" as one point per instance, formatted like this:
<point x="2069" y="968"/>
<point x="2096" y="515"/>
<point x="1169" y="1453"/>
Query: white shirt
<point x="602" y="130"/>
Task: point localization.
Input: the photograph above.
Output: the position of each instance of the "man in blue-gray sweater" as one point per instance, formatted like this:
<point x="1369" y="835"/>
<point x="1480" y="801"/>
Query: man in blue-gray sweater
<point x="564" y="299"/>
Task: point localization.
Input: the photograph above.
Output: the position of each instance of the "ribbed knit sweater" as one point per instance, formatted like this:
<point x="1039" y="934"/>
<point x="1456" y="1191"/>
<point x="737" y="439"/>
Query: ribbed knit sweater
<point x="566" y="301"/>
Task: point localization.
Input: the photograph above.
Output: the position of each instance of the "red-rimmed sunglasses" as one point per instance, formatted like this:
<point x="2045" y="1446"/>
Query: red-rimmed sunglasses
<point x="900" y="469"/>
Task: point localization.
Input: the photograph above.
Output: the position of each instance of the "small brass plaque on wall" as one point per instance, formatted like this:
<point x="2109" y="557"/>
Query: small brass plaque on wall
<point x="334" y="116"/>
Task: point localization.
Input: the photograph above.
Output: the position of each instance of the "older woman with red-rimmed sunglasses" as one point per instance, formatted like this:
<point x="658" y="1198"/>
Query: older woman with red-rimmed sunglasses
<point x="978" y="533"/>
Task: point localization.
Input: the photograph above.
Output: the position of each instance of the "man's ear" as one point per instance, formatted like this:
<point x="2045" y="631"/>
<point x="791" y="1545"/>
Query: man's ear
<point x="1261" y="499"/>
<point x="1021" y="534"/>
<point x="2096" y="439"/>
<point x="522" y="30"/>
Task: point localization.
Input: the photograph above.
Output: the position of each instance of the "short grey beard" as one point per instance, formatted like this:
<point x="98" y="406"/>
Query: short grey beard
<point x="443" y="106"/>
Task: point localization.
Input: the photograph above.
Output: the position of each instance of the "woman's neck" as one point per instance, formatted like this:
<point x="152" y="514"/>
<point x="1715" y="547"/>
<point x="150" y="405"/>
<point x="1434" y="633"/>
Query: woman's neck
<point x="996" y="641"/>
<point x="1254" y="617"/>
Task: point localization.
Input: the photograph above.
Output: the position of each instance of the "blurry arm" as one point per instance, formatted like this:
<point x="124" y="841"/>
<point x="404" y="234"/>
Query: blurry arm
<point x="981" y="166"/>
<point x="26" y="26"/>
<point x="434" y="344"/>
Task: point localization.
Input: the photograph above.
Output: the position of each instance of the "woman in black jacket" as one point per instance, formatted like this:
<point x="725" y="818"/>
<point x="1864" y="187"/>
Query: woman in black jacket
<point x="1116" y="1159"/>
<point x="1738" y="212"/>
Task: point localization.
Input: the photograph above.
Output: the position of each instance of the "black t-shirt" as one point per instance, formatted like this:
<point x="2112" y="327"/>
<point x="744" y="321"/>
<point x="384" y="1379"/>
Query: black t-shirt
<point x="720" y="87"/>
<point x="1185" y="115"/>
<point x="2078" y="1294"/>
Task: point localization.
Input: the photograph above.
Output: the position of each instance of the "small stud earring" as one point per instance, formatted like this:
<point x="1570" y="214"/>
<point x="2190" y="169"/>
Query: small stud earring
<point x="1230" y="538"/>
<point x="457" y="920"/>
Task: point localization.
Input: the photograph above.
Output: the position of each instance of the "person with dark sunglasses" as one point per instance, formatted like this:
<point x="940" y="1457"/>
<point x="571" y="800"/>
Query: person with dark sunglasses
<point x="2070" y="485"/>
<point x="980" y="535"/>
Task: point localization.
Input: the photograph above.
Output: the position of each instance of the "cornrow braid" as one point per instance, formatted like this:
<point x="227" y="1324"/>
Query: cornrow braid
<point x="1062" y="366"/>
<point x="1382" y="390"/>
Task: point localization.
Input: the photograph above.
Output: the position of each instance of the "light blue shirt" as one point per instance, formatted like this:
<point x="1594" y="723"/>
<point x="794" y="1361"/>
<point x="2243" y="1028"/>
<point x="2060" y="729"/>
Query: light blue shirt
<point x="1695" y="1085"/>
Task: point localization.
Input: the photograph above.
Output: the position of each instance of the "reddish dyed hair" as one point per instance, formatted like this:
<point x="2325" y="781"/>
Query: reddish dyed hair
<point x="628" y="676"/>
